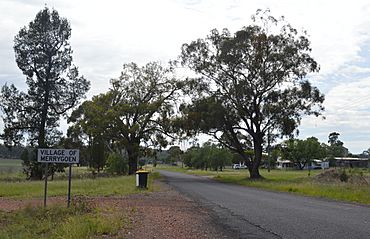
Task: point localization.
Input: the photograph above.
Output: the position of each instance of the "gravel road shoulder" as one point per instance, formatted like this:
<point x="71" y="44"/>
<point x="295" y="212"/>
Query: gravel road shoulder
<point x="169" y="214"/>
<point x="162" y="214"/>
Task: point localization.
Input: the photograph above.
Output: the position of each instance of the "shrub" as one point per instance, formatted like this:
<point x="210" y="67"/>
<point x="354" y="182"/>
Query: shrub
<point x="117" y="164"/>
<point x="343" y="177"/>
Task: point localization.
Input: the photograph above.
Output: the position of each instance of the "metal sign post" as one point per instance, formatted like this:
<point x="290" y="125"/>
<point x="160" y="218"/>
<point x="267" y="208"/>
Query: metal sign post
<point x="69" y="185"/>
<point x="67" y="156"/>
<point x="46" y="183"/>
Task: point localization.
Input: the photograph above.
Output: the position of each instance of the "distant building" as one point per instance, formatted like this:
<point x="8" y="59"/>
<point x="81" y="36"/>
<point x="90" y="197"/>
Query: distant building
<point x="318" y="164"/>
<point x="284" y="164"/>
<point x="352" y="162"/>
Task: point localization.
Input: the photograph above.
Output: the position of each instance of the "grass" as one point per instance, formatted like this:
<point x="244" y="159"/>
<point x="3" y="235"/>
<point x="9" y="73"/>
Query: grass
<point x="107" y="186"/>
<point x="292" y="181"/>
<point x="79" y="221"/>
<point x="10" y="166"/>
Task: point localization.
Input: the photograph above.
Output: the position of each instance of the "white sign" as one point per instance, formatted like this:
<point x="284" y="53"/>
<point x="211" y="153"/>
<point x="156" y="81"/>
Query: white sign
<point x="58" y="156"/>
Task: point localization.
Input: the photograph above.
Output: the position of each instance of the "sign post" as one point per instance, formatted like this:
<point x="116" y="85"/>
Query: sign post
<point x="68" y="156"/>
<point x="69" y="185"/>
<point x="46" y="183"/>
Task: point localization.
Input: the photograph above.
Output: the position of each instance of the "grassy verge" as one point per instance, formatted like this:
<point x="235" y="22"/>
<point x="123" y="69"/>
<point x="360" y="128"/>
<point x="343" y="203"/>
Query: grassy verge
<point x="79" y="221"/>
<point x="11" y="169"/>
<point x="297" y="182"/>
<point x="120" y="185"/>
<point x="82" y="220"/>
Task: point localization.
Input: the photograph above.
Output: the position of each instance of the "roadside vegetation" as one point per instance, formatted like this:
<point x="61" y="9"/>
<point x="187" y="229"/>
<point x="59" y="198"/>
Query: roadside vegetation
<point x="294" y="181"/>
<point x="79" y="221"/>
<point x="84" y="219"/>
<point x="82" y="184"/>
<point x="237" y="98"/>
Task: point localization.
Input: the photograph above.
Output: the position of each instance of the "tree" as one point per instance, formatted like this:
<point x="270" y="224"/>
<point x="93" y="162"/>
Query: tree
<point x="301" y="152"/>
<point x="175" y="154"/>
<point x="336" y="148"/>
<point x="117" y="164"/>
<point x="43" y="53"/>
<point x="136" y="110"/>
<point x="218" y="157"/>
<point x="252" y="82"/>
<point x="208" y="156"/>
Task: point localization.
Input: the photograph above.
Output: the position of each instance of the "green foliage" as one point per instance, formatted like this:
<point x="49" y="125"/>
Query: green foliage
<point x="43" y="54"/>
<point x="241" y="77"/>
<point x="137" y="108"/>
<point x="10" y="153"/>
<point x="141" y="162"/>
<point x="117" y="164"/>
<point x="175" y="154"/>
<point x="78" y="221"/>
<point x="208" y="156"/>
<point x="343" y="176"/>
<point x="31" y="167"/>
<point x="120" y="185"/>
<point x="336" y="148"/>
<point x="301" y="152"/>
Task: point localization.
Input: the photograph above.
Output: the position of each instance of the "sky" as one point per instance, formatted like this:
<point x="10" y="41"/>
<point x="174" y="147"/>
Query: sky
<point x="107" y="34"/>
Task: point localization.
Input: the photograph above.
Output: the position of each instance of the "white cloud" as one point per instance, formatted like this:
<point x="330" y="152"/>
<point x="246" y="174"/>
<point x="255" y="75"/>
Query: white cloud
<point x="347" y="111"/>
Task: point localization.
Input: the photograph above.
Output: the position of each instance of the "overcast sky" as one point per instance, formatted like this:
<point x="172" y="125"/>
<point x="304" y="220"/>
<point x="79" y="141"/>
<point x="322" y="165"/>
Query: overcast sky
<point x="106" y="34"/>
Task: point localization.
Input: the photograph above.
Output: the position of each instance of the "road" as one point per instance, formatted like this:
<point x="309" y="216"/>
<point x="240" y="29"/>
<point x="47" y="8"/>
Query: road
<point x="254" y="213"/>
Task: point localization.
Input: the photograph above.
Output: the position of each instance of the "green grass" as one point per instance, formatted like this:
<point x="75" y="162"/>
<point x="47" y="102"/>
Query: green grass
<point x="293" y="181"/>
<point x="79" y="221"/>
<point x="10" y="163"/>
<point x="9" y="166"/>
<point x="107" y="186"/>
<point x="11" y="170"/>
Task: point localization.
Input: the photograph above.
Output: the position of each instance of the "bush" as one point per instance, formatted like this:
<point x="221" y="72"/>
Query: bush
<point x="343" y="177"/>
<point x="117" y="164"/>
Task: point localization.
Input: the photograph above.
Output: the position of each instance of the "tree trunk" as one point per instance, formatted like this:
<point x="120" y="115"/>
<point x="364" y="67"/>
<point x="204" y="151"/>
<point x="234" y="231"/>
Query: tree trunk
<point x="133" y="154"/>
<point x="257" y="145"/>
<point x="132" y="164"/>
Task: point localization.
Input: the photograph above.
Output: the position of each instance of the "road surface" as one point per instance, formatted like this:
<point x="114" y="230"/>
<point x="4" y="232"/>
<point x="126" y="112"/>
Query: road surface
<point x="254" y="213"/>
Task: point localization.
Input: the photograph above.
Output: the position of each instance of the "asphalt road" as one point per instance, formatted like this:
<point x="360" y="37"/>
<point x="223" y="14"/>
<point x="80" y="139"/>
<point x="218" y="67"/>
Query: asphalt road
<point x="254" y="213"/>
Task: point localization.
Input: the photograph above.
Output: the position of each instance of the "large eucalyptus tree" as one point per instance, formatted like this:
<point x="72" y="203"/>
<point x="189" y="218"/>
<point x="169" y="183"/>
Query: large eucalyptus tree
<point x="256" y="84"/>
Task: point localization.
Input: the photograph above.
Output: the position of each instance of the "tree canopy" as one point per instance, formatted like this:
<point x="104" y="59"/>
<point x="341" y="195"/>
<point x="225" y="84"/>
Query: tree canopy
<point x="302" y="152"/>
<point x="256" y="82"/>
<point x="44" y="55"/>
<point x="336" y="146"/>
<point x="136" y="110"/>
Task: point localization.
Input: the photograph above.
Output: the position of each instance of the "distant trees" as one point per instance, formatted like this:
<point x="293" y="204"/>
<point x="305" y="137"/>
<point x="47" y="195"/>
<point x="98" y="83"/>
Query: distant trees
<point x="302" y="152"/>
<point x="43" y="53"/>
<point x="209" y="156"/>
<point x="136" y="110"/>
<point x="175" y="154"/>
<point x="10" y="153"/>
<point x="336" y="147"/>
<point x="251" y="82"/>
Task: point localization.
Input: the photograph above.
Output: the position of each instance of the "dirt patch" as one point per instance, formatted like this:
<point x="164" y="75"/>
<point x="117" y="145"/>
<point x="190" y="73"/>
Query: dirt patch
<point x="8" y="205"/>
<point x="342" y="175"/>
<point x="163" y="214"/>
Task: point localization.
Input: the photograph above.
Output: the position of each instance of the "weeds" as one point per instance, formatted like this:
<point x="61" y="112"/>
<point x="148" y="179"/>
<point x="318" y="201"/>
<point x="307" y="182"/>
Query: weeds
<point x="80" y="221"/>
